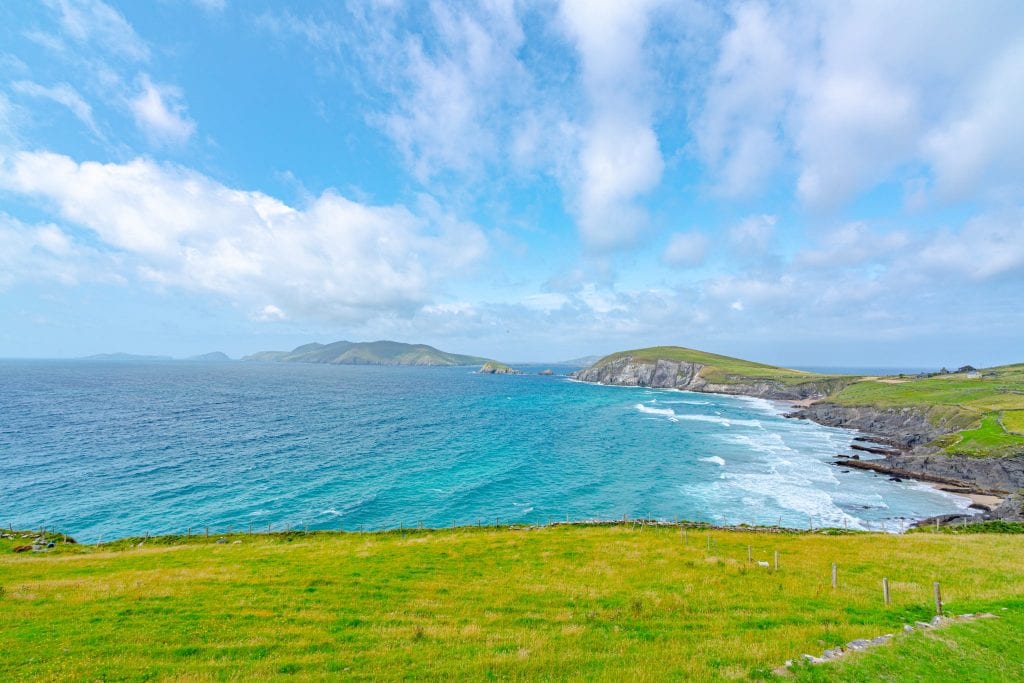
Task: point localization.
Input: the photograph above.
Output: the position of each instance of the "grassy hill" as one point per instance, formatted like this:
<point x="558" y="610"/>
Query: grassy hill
<point x="561" y="602"/>
<point x="719" y="369"/>
<point x="987" y="406"/>
<point x="367" y="353"/>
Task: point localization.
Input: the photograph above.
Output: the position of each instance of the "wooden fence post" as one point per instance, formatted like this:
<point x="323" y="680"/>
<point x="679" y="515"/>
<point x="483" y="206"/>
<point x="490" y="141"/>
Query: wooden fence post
<point x="833" y="574"/>
<point x="885" y="591"/>
<point x="938" y="599"/>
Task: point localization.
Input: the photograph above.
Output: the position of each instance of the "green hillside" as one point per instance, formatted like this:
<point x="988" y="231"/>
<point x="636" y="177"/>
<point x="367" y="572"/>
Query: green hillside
<point x="367" y="353"/>
<point x="574" y="602"/>
<point x="720" y="369"/>
<point x="987" y="406"/>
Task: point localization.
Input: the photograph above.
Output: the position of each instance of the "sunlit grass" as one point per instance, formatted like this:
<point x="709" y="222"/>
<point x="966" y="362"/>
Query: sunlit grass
<point x="612" y="603"/>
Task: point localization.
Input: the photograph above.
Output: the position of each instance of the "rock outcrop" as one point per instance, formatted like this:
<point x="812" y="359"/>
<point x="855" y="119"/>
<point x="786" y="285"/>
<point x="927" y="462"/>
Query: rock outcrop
<point x="492" y="368"/>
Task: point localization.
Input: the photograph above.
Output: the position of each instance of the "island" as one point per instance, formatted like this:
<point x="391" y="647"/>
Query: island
<point x="382" y="352"/>
<point x="495" y="368"/>
<point x="212" y="357"/>
<point x="963" y="429"/>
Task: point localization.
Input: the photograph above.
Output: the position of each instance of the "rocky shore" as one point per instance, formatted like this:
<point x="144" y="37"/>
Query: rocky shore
<point x="902" y="436"/>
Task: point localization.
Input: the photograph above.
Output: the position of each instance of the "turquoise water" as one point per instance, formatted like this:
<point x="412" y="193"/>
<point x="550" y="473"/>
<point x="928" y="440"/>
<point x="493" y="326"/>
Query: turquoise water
<point x="116" y="448"/>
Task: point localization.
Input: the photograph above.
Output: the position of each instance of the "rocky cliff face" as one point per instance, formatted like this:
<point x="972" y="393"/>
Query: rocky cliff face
<point x="666" y="374"/>
<point x="904" y="428"/>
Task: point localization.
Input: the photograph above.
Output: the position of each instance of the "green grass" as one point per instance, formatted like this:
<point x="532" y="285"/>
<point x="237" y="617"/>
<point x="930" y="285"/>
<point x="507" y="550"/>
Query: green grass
<point x="564" y="602"/>
<point x="980" y="413"/>
<point x="723" y="369"/>
<point x="982" y="650"/>
<point x="988" y="439"/>
<point x="1013" y="421"/>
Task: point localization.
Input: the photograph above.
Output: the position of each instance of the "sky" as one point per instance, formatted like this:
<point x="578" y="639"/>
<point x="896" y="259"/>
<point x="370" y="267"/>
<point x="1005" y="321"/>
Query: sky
<point x="800" y="183"/>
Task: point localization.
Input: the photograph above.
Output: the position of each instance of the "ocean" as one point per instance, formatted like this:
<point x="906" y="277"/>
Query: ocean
<point x="107" y="449"/>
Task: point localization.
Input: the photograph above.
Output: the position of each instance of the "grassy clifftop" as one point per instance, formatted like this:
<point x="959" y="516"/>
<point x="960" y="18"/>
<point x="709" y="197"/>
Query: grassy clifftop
<point x="718" y="369"/>
<point x="987" y="406"/>
<point x="580" y="602"/>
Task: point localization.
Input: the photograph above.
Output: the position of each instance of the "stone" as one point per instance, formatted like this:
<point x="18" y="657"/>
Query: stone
<point x="22" y="548"/>
<point x="907" y="628"/>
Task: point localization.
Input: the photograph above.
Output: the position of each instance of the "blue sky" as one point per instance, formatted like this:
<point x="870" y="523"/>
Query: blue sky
<point x="800" y="183"/>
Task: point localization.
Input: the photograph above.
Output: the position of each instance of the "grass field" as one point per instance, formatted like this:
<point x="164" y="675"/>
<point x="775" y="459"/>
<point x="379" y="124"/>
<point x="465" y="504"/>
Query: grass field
<point x="986" y="412"/>
<point x="563" y="602"/>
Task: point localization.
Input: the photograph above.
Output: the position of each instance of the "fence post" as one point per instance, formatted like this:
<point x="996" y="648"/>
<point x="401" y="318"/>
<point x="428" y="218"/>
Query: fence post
<point x="749" y="558"/>
<point x="188" y="533"/>
<point x="885" y="591"/>
<point x="207" y="532"/>
<point x="938" y="599"/>
<point x="776" y="560"/>
<point x="833" y="574"/>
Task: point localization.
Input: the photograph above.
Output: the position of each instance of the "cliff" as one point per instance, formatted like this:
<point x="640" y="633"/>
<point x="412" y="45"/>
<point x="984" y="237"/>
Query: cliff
<point x="637" y="370"/>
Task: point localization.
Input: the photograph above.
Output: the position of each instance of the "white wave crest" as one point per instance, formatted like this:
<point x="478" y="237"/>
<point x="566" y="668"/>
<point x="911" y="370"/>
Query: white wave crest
<point x="714" y="459"/>
<point x="667" y="412"/>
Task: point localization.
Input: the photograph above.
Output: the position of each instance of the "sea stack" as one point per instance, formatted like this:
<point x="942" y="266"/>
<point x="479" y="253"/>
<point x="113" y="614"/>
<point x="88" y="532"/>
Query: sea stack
<point x="495" y="368"/>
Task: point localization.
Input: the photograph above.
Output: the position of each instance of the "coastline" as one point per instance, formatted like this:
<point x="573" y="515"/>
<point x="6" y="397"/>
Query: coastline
<point x="980" y="500"/>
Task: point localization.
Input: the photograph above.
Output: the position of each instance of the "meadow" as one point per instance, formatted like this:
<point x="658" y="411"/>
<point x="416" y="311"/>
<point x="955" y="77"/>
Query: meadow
<point x="584" y="602"/>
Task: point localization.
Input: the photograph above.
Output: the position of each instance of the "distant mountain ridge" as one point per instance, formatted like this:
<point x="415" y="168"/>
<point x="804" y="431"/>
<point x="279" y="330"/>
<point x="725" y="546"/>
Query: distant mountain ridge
<point x="382" y="352"/>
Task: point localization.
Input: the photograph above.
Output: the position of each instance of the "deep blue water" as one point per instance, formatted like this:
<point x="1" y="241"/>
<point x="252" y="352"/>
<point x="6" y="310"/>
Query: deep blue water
<point x="117" y="448"/>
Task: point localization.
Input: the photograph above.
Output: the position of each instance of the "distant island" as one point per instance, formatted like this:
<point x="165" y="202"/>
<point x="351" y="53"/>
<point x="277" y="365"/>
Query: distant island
<point x="213" y="356"/>
<point x="962" y="429"/>
<point x="367" y="353"/>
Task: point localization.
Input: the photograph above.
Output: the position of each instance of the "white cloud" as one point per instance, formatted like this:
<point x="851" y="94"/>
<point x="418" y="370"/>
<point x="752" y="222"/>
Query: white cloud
<point x="96" y="23"/>
<point x="211" y="5"/>
<point x="753" y="234"/>
<point x="334" y="259"/>
<point x="161" y="114"/>
<point x="983" y="142"/>
<point x="620" y="159"/>
<point x="270" y="313"/>
<point x="450" y="80"/>
<point x="39" y="253"/>
<point x="64" y="94"/>
<point x="546" y="301"/>
<point x="737" y="133"/>
<point x="853" y="244"/>
<point x="987" y="246"/>
<point x="685" y="249"/>
<point x="840" y="96"/>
